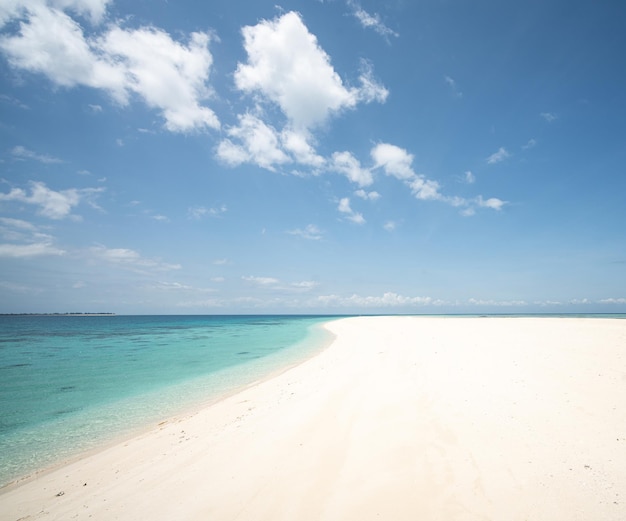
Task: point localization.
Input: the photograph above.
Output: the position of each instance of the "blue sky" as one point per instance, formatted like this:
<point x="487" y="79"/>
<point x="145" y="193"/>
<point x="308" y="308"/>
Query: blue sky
<point x="331" y="156"/>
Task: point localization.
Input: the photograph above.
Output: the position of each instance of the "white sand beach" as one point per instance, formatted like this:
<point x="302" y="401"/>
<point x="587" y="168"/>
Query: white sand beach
<point x="416" y="418"/>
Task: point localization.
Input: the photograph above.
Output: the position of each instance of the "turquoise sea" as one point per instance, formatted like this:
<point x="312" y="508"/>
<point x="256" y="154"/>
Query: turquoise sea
<point x="71" y="383"/>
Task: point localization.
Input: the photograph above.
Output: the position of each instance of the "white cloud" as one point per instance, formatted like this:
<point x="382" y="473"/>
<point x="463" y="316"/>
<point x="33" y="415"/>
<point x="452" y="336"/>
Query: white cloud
<point x="390" y="226"/>
<point x="21" y="152"/>
<point x="232" y="154"/>
<point x="26" y="240"/>
<point x="259" y="144"/>
<point x="131" y="259"/>
<point x="427" y="189"/>
<point x="345" y="163"/>
<point x="305" y="285"/>
<point x="394" y="160"/>
<point x="388" y="299"/>
<point x="310" y="232"/>
<point x="52" y="204"/>
<point x="198" y="212"/>
<point x="53" y="44"/>
<point x="177" y="286"/>
<point x="345" y="208"/>
<point x="531" y="143"/>
<point x="469" y="177"/>
<point x="9" y="222"/>
<point x="169" y="76"/>
<point x="469" y="206"/>
<point x="369" y="21"/>
<point x="397" y="162"/>
<point x="36" y="249"/>
<point x="549" y="116"/>
<point x="498" y="156"/>
<point x="370" y="89"/>
<point x="368" y="196"/>
<point x="94" y="9"/>
<point x="298" y="145"/>
<point x="261" y="281"/>
<point x="613" y="301"/>
<point x="492" y="202"/>
<point x="287" y="66"/>
<point x="497" y="303"/>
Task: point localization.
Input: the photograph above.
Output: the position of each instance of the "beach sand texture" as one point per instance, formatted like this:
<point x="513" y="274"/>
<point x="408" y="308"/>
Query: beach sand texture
<point x="416" y="418"/>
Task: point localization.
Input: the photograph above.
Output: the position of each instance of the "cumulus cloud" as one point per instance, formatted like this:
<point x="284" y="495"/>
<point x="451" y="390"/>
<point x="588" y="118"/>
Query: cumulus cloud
<point x="51" y="43"/>
<point x="549" y="116"/>
<point x="169" y="76"/>
<point x="498" y="157"/>
<point x="394" y="160"/>
<point x="469" y="177"/>
<point x="94" y="9"/>
<point x="345" y="208"/>
<point x="397" y="162"/>
<point x="368" y="196"/>
<point x="492" y="202"/>
<point x="427" y="189"/>
<point x="287" y="66"/>
<point x="469" y="206"/>
<point x="52" y="204"/>
<point x="255" y="142"/>
<point x="298" y="145"/>
<point x="345" y="163"/>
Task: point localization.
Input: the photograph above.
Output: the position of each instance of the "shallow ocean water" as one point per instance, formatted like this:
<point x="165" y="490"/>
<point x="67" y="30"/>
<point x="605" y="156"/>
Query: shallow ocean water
<point x="69" y="384"/>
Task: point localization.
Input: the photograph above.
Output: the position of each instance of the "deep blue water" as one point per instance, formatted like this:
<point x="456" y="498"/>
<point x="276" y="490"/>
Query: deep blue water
<point x="68" y="384"/>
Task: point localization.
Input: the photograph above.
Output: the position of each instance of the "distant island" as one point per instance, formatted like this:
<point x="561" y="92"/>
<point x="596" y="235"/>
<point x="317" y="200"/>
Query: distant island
<point x="73" y="314"/>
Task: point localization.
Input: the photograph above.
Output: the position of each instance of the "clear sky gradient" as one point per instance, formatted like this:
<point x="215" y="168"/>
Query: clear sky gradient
<point x="337" y="156"/>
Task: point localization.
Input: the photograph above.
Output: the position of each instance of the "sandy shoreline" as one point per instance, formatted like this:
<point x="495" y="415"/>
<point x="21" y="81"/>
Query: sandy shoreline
<point x="400" y="418"/>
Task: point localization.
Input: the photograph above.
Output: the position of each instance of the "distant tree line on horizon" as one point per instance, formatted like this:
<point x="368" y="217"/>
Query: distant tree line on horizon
<point x="71" y="314"/>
